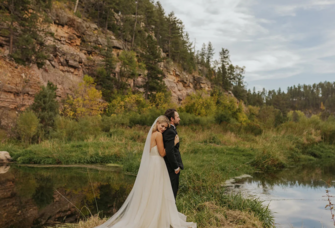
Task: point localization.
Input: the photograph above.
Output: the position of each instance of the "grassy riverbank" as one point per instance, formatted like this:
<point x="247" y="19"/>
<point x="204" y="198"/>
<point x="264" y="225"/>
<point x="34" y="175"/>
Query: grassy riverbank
<point x="227" y="145"/>
<point x="211" y="154"/>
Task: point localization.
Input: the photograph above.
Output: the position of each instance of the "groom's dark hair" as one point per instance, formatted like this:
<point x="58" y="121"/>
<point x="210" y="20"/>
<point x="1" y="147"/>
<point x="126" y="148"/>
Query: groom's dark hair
<point x="170" y="113"/>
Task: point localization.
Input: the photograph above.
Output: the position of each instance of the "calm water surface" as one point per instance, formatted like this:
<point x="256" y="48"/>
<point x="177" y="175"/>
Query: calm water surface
<point x="40" y="197"/>
<point x="296" y="196"/>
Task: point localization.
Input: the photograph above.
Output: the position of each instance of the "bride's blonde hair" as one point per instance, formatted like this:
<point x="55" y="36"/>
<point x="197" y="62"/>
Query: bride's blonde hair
<point x="160" y="119"/>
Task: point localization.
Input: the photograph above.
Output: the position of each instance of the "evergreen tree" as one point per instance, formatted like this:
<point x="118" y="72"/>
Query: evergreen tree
<point x="25" y="43"/>
<point x="105" y="77"/>
<point x="46" y="107"/>
<point x="154" y="77"/>
<point x="160" y="25"/>
<point x="173" y="35"/>
<point x="202" y="54"/>
<point x="209" y="54"/>
<point x="223" y="79"/>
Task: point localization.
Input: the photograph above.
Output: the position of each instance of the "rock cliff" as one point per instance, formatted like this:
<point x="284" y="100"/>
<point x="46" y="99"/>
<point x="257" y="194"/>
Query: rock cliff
<point x="74" y="51"/>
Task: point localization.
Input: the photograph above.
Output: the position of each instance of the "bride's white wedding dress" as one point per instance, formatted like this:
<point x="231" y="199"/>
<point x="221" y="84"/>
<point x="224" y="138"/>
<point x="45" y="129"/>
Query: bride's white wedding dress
<point x="151" y="203"/>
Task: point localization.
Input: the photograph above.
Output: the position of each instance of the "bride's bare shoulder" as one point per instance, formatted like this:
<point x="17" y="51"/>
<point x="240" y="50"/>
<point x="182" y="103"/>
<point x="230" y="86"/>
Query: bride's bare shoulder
<point x="155" y="134"/>
<point x="158" y="135"/>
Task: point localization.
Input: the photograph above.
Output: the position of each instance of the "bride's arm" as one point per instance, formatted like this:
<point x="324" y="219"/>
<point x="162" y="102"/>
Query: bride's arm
<point x="160" y="144"/>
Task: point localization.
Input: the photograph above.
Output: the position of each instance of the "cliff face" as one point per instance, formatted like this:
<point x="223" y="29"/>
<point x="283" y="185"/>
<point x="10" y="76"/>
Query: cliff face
<point x="74" y="51"/>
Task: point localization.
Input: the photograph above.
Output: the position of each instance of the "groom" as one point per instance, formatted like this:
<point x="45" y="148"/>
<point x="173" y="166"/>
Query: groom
<point x="172" y="159"/>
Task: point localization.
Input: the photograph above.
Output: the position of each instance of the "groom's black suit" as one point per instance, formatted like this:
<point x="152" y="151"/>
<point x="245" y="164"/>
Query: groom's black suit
<point x="172" y="158"/>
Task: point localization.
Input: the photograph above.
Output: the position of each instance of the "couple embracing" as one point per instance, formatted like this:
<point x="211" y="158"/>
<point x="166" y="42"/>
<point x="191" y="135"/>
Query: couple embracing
<point x="151" y="203"/>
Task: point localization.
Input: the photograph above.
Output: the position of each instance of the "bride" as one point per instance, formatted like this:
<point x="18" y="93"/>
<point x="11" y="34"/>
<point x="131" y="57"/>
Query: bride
<point x="151" y="202"/>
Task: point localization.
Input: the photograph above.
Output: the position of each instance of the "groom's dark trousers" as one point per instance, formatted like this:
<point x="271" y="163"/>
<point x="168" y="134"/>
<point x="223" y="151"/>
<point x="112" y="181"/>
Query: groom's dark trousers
<point x="172" y="158"/>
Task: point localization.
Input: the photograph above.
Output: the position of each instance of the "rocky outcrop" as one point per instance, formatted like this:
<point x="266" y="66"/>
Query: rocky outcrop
<point x="181" y="83"/>
<point x="75" y="47"/>
<point x="5" y="157"/>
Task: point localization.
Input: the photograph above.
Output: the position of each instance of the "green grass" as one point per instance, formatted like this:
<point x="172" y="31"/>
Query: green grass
<point x="211" y="154"/>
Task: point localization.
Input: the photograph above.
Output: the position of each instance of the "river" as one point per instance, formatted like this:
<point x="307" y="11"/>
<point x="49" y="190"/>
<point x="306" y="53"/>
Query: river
<point x="296" y="196"/>
<point x="38" y="197"/>
<point x="46" y="196"/>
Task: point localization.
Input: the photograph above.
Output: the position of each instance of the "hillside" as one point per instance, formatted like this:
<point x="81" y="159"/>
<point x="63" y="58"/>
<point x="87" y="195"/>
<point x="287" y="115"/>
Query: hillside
<point x="75" y="47"/>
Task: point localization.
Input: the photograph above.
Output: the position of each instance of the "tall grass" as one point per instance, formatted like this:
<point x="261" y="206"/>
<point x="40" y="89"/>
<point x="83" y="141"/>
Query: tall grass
<point x="211" y="153"/>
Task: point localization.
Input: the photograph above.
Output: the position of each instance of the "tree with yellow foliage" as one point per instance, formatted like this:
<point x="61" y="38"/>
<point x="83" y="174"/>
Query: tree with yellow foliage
<point x="86" y="101"/>
<point x="241" y="116"/>
<point x="200" y="104"/>
<point x="162" y="100"/>
<point x="128" y="103"/>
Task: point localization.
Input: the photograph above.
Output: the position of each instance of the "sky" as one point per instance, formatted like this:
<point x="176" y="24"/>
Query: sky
<point x="280" y="42"/>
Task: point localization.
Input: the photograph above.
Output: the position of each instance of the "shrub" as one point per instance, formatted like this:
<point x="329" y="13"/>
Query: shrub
<point x="27" y="125"/>
<point x="253" y="112"/>
<point x="267" y="116"/>
<point x="321" y="151"/>
<point x="162" y="100"/>
<point x="223" y="117"/>
<point x="108" y="122"/>
<point x="191" y="119"/>
<point x="145" y="119"/>
<point x="89" y="126"/>
<point x="128" y="103"/>
<point x="296" y="116"/>
<point x="65" y="128"/>
<point x="253" y="128"/>
<point x="68" y="129"/>
<point x="200" y="104"/>
<point x="328" y="131"/>
<point x="86" y="101"/>
<point x="234" y="127"/>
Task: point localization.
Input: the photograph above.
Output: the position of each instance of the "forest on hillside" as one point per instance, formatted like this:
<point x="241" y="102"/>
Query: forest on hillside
<point x="132" y="22"/>
<point x="313" y="99"/>
<point x="148" y="31"/>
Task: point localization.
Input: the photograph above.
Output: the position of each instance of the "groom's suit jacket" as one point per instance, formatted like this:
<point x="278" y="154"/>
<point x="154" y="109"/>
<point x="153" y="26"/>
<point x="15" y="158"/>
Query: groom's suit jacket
<point x="172" y="158"/>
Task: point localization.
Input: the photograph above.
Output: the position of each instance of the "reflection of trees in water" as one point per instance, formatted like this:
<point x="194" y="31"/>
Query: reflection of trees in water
<point x="110" y="199"/>
<point x="308" y="177"/>
<point x="34" y="193"/>
<point x="43" y="195"/>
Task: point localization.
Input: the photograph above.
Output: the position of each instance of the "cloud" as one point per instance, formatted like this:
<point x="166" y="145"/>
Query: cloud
<point x="290" y="8"/>
<point x="275" y="40"/>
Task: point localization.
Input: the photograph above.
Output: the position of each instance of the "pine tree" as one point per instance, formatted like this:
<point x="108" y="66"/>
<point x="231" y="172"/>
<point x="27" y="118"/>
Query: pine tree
<point x="129" y="66"/>
<point x="224" y="63"/>
<point x="174" y="35"/>
<point x="105" y="78"/>
<point x="209" y="54"/>
<point x="25" y="43"/>
<point x="46" y="107"/>
<point x="202" y="54"/>
<point x="154" y="77"/>
<point x="160" y="25"/>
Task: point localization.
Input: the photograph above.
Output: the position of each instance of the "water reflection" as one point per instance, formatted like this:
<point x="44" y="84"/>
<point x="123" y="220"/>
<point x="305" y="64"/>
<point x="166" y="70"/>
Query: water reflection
<point x="4" y="168"/>
<point x="38" y="197"/>
<point x="296" y="196"/>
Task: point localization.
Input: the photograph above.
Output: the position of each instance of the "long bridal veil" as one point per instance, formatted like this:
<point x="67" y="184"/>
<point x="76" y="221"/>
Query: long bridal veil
<point x="150" y="203"/>
<point x="139" y="188"/>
